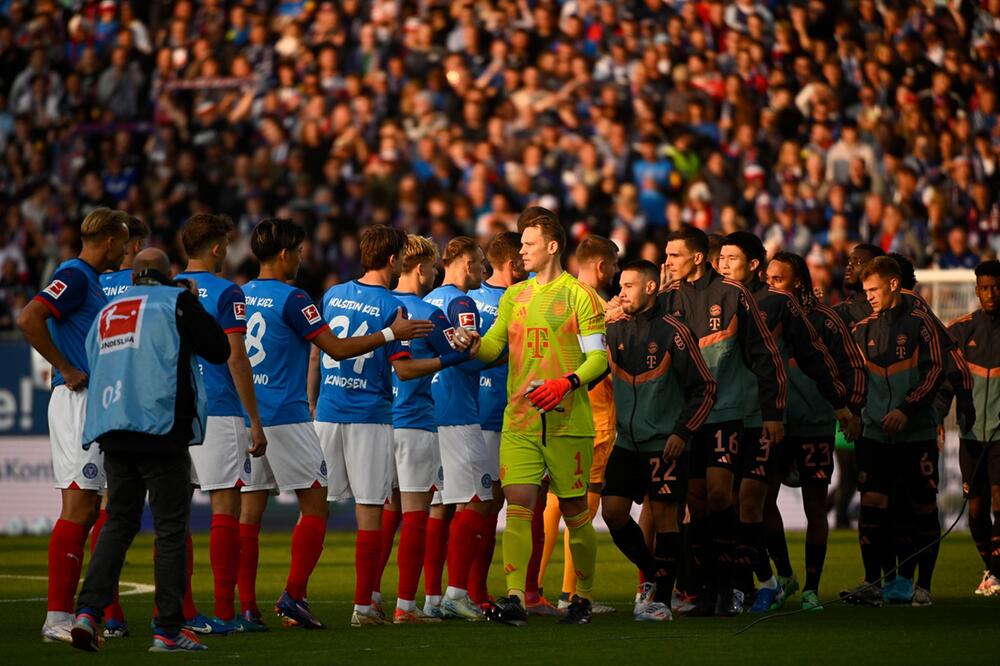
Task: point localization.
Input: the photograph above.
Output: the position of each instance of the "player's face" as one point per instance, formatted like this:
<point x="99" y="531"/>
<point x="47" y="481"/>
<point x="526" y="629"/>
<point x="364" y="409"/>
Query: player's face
<point x="681" y="260"/>
<point x="475" y="267"/>
<point x="855" y="263"/>
<point x="733" y="264"/>
<point x="637" y="292"/>
<point x="880" y="292"/>
<point x="517" y="269"/>
<point x="219" y="253"/>
<point x="426" y="275"/>
<point x="292" y="259"/>
<point x="115" y="251"/>
<point x="988" y="291"/>
<point x="606" y="272"/>
<point x="534" y="250"/>
<point x="781" y="276"/>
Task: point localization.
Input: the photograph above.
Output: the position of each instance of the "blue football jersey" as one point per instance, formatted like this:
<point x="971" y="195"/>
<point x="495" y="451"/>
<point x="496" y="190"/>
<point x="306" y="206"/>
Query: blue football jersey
<point x="223" y="300"/>
<point x="116" y="283"/>
<point x="358" y="390"/>
<point x="74" y="297"/>
<point x="456" y="389"/>
<point x="493" y="381"/>
<point x="281" y="320"/>
<point x="413" y="402"/>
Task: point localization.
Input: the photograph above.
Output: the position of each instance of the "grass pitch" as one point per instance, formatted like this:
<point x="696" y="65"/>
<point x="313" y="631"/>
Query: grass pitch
<point x="959" y="628"/>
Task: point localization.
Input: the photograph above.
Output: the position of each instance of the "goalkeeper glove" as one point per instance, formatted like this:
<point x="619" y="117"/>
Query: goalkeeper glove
<point x="550" y="393"/>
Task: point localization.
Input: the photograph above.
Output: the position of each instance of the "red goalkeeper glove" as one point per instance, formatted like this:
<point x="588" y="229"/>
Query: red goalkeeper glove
<point x="551" y="392"/>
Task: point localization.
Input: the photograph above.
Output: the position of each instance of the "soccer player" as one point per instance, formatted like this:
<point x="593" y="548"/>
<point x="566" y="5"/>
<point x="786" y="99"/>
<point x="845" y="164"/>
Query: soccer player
<point x="807" y="452"/>
<point x="470" y="468"/>
<point x="597" y="261"/>
<point x="904" y="356"/>
<point x="116" y="282"/>
<point x="663" y="392"/>
<point x="56" y="323"/>
<point x="354" y="406"/>
<point x="221" y="465"/>
<point x="744" y="359"/>
<point x="504" y="256"/>
<point x="856" y="307"/>
<point x="554" y="326"/>
<point x="978" y="338"/>
<point x="282" y="321"/>
<point x="742" y="257"/>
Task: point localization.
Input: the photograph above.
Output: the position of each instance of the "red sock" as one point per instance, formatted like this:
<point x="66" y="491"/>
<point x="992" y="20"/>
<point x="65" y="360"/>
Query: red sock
<point x="114" y="611"/>
<point x="642" y="578"/>
<point x="467" y="529"/>
<point x="390" y="523"/>
<point x="247" y="580"/>
<point x="190" y="609"/>
<point x="434" y="555"/>
<point x="531" y="591"/>
<point x="410" y="557"/>
<point x="307" y="545"/>
<point x="366" y="553"/>
<point x="65" y="562"/>
<point x="479" y="573"/>
<point x="224" y="552"/>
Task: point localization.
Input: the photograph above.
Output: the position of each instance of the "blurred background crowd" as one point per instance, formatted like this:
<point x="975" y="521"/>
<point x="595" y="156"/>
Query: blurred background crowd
<point x="815" y="124"/>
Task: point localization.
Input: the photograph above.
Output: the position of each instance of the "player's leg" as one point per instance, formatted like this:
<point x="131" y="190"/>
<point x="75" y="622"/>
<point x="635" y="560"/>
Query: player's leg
<point x="392" y="516"/>
<point x="722" y="518"/>
<point x="922" y="491"/>
<point x="551" y="518"/>
<point x="568" y="460"/>
<point x="436" y="553"/>
<point x="994" y="582"/>
<point x="479" y="571"/>
<point x="114" y="616"/>
<point x="253" y="503"/>
<point x="533" y="593"/>
<point x="976" y="486"/>
<point x="627" y="477"/>
<point x="756" y="460"/>
<point x="874" y="482"/>
<point x="701" y="579"/>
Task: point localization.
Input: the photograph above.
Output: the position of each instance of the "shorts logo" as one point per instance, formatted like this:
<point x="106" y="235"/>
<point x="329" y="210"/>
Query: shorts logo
<point x="121" y="325"/>
<point x="240" y="311"/>
<point x="246" y="465"/>
<point x="467" y="320"/>
<point x="90" y="471"/>
<point x="55" y="289"/>
<point x="311" y="313"/>
<point x="487" y="480"/>
<point x="322" y="468"/>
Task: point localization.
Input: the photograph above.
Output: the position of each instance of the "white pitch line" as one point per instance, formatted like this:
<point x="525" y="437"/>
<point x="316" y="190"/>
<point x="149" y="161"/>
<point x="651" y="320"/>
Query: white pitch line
<point x="136" y="588"/>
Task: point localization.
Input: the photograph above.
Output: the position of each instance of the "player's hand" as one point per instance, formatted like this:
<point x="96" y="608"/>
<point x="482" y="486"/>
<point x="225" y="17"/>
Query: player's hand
<point x="894" y="422"/>
<point x="850" y="424"/>
<point x="474" y="345"/>
<point x="774" y="431"/>
<point x="674" y="448"/>
<point x="549" y="394"/>
<point x="407" y="329"/>
<point x="258" y="441"/>
<point x="614" y="311"/>
<point x="75" y="379"/>
<point x="464" y="338"/>
<point x="965" y="413"/>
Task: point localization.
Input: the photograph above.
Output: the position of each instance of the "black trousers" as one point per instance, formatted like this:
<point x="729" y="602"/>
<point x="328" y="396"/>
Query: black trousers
<point x="167" y="479"/>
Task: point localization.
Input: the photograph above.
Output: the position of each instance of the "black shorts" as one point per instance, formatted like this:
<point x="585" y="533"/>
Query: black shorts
<point x="636" y="475"/>
<point x="911" y="466"/>
<point x="988" y="473"/>
<point x="812" y="458"/>
<point x="756" y="456"/>
<point x="716" y="445"/>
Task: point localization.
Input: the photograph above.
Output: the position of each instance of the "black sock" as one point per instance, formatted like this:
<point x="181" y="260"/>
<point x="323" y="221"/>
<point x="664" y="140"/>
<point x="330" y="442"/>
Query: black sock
<point x="901" y="526"/>
<point x="995" y="544"/>
<point x="722" y="525"/>
<point x="682" y="559"/>
<point x="981" y="529"/>
<point x="701" y="567"/>
<point x="777" y="548"/>
<point x="872" y="525"/>
<point x="815" y="556"/>
<point x="667" y="554"/>
<point x="926" y="533"/>
<point x="746" y="553"/>
<point x="632" y="544"/>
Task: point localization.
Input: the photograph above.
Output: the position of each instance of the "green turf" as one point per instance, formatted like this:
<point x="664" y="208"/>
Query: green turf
<point x="958" y="629"/>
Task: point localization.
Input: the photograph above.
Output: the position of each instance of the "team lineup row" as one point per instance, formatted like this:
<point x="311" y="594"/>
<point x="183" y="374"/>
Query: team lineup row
<point x="721" y="377"/>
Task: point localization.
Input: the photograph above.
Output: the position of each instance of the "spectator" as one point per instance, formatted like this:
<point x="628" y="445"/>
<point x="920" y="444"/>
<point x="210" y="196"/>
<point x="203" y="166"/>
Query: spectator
<point x="958" y="254"/>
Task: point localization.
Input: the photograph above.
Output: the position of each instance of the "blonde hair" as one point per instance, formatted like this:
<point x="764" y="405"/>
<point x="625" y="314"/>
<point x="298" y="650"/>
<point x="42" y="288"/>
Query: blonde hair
<point x="418" y="250"/>
<point x="102" y="223"/>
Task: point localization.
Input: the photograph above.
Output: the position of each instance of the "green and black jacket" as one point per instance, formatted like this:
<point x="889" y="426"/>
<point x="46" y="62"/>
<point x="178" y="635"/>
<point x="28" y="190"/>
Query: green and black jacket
<point x="905" y="357"/>
<point x="661" y="382"/>
<point x="735" y="341"/>
<point x="978" y="338"/>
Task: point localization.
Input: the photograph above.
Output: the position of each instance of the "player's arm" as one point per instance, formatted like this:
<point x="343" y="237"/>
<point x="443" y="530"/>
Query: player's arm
<point x="232" y="318"/>
<point x="930" y="370"/>
<point x="313" y="377"/>
<point x="762" y="357"/>
<point x="813" y="357"/>
<point x="493" y="345"/>
<point x="341" y="349"/>
<point x="699" y="389"/>
<point x="411" y="368"/>
<point x="64" y="295"/>
<point x="851" y="366"/>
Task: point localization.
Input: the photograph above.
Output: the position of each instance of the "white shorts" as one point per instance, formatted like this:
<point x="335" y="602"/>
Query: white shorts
<point x="469" y="469"/>
<point x="417" y="460"/>
<point x="294" y="460"/>
<point x="72" y="466"/>
<point x="359" y="457"/>
<point x="492" y="440"/>
<point x="222" y="461"/>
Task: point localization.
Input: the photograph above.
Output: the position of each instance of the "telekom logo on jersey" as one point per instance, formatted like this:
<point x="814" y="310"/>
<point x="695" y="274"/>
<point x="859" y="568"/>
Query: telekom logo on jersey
<point x="120" y="324"/>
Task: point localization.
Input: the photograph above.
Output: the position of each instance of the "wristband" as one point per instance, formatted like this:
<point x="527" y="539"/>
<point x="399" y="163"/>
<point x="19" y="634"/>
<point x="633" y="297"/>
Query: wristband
<point x="453" y="358"/>
<point x="573" y="380"/>
<point x="388" y="334"/>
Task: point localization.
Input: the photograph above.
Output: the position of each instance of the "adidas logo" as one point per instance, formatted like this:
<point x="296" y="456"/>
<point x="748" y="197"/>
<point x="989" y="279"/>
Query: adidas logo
<point x="972" y="343"/>
<point x="578" y="484"/>
<point x="871" y="343"/>
<point x="509" y="568"/>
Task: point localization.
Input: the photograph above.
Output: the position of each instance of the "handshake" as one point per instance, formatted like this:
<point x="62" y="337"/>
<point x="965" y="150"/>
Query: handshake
<point x="466" y="340"/>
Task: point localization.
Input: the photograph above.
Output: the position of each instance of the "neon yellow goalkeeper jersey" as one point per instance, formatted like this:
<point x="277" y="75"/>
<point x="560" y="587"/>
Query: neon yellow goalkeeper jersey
<point x="545" y="327"/>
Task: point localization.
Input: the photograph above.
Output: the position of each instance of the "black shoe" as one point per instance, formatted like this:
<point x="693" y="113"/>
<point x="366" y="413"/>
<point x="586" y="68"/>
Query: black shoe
<point x="704" y="605"/>
<point x="507" y="610"/>
<point x="729" y="603"/>
<point x="578" y="612"/>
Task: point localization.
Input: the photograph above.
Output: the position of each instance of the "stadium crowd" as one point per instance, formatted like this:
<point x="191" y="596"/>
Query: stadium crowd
<point x="813" y="124"/>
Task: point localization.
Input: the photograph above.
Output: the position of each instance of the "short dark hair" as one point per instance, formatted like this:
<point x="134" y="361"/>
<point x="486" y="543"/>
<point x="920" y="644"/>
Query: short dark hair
<point x="505" y="246"/>
<point x="594" y="248"/>
<point x="646" y="268"/>
<point x="873" y="250"/>
<point x="137" y="229"/>
<point x="546" y="221"/>
<point x="457" y="248"/>
<point x="273" y="235"/>
<point x="749" y="244"/>
<point x="694" y="238"/>
<point x="988" y="268"/>
<point x="379" y="243"/>
<point x="884" y="267"/>
<point x="202" y="231"/>
<point x="907" y="276"/>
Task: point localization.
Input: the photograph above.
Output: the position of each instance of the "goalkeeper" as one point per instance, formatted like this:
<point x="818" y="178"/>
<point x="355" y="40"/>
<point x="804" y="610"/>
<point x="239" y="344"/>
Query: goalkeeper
<point x="554" y="328"/>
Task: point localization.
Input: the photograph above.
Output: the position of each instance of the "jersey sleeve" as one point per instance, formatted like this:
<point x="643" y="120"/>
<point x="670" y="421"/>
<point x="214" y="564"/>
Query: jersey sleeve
<point x="65" y="293"/>
<point x="302" y="315"/>
<point x="762" y="357"/>
<point x="930" y="368"/>
<point x="699" y="384"/>
<point x="812" y="354"/>
<point x="232" y="310"/>
<point x="593" y="331"/>
<point x="395" y="349"/>
<point x="463" y="313"/>
<point x="439" y="339"/>
<point x="494" y="341"/>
